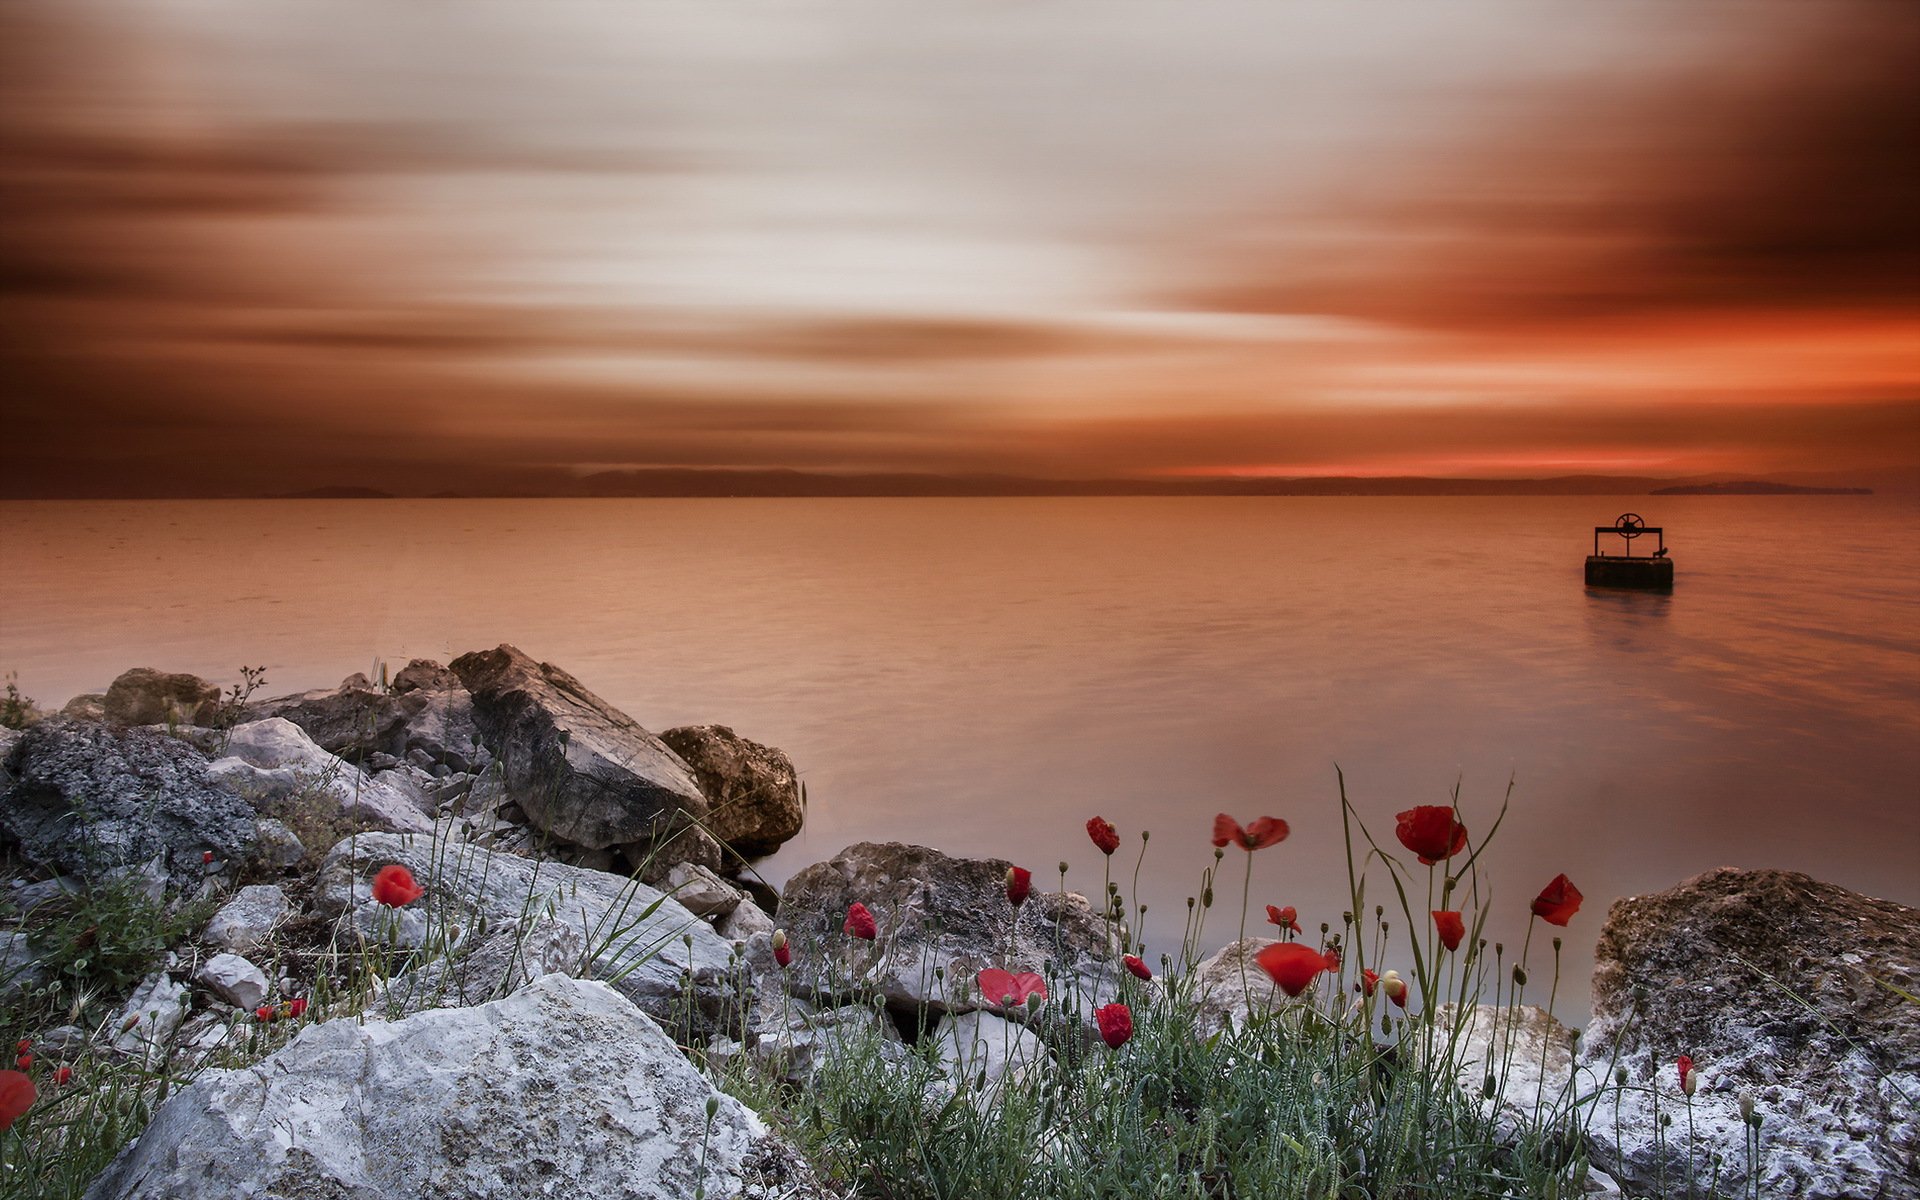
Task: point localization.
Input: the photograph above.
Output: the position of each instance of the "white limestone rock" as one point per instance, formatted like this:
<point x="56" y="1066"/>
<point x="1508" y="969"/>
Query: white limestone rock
<point x="247" y="920"/>
<point x="150" y="1018"/>
<point x="273" y="761"/>
<point x="700" y="891"/>
<point x="234" y="980"/>
<point x="562" y="1089"/>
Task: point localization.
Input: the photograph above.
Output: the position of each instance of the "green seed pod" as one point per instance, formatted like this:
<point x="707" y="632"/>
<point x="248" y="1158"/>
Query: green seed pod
<point x="1488" y="1087"/>
<point x="1519" y="974"/>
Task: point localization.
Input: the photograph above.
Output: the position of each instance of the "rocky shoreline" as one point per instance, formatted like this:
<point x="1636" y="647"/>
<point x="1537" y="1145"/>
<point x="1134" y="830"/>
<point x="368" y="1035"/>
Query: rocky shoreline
<point x="587" y="915"/>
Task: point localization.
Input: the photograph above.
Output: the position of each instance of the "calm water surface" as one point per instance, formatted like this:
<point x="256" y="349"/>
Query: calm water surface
<point x="982" y="675"/>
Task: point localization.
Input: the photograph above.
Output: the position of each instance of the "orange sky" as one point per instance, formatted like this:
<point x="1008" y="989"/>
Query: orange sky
<point x="254" y="247"/>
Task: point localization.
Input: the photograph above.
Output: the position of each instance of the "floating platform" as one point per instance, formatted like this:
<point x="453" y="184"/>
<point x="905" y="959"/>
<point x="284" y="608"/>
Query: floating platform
<point x="1643" y="572"/>
<point x="1646" y="574"/>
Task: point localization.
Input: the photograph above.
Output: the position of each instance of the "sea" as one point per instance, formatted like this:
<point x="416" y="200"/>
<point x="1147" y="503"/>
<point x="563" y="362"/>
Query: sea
<point x="984" y="675"/>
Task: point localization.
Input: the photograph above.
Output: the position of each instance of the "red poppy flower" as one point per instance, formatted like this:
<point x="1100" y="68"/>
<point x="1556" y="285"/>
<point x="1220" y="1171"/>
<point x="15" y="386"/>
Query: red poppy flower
<point x="1452" y="928"/>
<point x="1258" y="835"/>
<point x="24" y="1062"/>
<point x="394" y="886"/>
<point x="859" y="923"/>
<point x="206" y="857"/>
<point x="1116" y="1024"/>
<point x="1019" y="883"/>
<point x="16" y="1097"/>
<point x="265" y="1013"/>
<point x="1684" y="1064"/>
<point x="1104" y="835"/>
<point x="63" y="1075"/>
<point x="1286" y="918"/>
<point x="1431" y="832"/>
<point x="1010" y="990"/>
<point x="1395" y="988"/>
<point x="1291" y="965"/>
<point x="1367" y="981"/>
<point x="296" y="1008"/>
<point x="1138" y="966"/>
<point x="1332" y="956"/>
<point x="1558" y="901"/>
<point x="781" y="954"/>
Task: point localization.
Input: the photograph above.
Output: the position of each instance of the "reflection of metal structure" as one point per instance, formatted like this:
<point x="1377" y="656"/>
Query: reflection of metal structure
<point x="1650" y="572"/>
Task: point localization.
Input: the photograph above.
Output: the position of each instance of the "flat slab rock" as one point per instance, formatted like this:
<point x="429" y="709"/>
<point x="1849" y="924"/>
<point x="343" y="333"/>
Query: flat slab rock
<point x="561" y="1089"/>
<point x="1767" y="979"/>
<point x="471" y="888"/>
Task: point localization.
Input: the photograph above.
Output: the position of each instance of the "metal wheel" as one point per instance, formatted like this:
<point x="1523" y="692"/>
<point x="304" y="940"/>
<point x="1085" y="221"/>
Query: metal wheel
<point x="1629" y="525"/>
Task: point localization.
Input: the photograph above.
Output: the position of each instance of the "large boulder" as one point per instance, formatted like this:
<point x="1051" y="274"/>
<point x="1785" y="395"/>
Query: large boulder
<point x="561" y="1089"/>
<point x="753" y="795"/>
<point x="274" y="763"/>
<point x="428" y="713"/>
<point x="1231" y="989"/>
<point x="144" y="696"/>
<point x="90" y="800"/>
<point x="649" y="947"/>
<point x="583" y="771"/>
<point x="942" y="920"/>
<point x="1522" y="1051"/>
<point x="1782" y="990"/>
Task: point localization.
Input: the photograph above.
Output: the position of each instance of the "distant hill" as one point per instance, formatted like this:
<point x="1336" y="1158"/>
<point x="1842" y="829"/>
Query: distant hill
<point x="1757" y="487"/>
<point x="336" y="493"/>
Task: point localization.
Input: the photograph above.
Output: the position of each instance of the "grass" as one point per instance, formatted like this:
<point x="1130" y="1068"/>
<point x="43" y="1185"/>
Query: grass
<point x="1336" y="1094"/>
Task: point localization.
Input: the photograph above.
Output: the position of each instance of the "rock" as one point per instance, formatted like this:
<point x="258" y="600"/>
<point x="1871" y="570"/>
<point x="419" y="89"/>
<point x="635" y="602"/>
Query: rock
<point x="150" y="1018"/>
<point x="9" y="738"/>
<point x="359" y="721"/>
<point x="88" y="706"/>
<point x="489" y="969"/>
<point x="1767" y="979"/>
<point x="753" y="795"/>
<point x="634" y="945"/>
<point x="144" y="696"/>
<point x="746" y="920"/>
<point x="978" y="1046"/>
<point x="19" y="966"/>
<point x="426" y="675"/>
<point x="800" y="1040"/>
<point x="700" y="891"/>
<point x="276" y="765"/>
<point x="1511" y="1044"/>
<point x="1229" y="987"/>
<point x="941" y="921"/>
<point x="562" y="1089"/>
<point x="247" y="920"/>
<point x="276" y="845"/>
<point x="90" y="799"/>
<point x="583" y="771"/>
<point x="234" y="980"/>
<point x="63" y="1037"/>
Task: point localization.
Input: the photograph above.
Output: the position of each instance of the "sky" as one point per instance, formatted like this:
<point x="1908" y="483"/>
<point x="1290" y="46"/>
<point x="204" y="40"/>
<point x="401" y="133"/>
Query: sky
<point x="257" y="245"/>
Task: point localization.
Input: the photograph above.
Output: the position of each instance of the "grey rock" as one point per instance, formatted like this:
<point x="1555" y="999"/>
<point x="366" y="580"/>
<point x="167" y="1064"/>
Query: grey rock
<point x="88" y="706"/>
<point x="426" y="675"/>
<point x="980" y="1048"/>
<point x="19" y="966"/>
<point x="583" y="771"/>
<point x="746" y="920"/>
<point x="144" y="696"/>
<point x="359" y="721"/>
<point x="276" y="765"/>
<point x="9" y="738"/>
<point x="1230" y="988"/>
<point x="150" y="1018"/>
<point x="63" y="1038"/>
<point x="1777" y="986"/>
<point x="1527" y="1053"/>
<point x="700" y="891"/>
<point x="562" y="1089"/>
<point x="635" y="944"/>
<point x="276" y="845"/>
<point x="941" y="921"/>
<point x="487" y="969"/>
<point x="90" y="799"/>
<point x="26" y="897"/>
<point x="247" y="920"/>
<point x="233" y="979"/>
<point x="752" y="791"/>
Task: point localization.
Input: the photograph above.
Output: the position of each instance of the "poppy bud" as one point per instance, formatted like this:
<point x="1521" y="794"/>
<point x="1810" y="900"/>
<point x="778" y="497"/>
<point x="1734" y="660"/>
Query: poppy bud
<point x="860" y="922"/>
<point x="1488" y="1086"/>
<point x="1063" y="867"/>
<point x="1395" y="988"/>
<point x="713" y="1106"/>
<point x="1681" y="1066"/>
<point x="781" y="954"/>
<point x="66" y="1073"/>
<point x="1620" y="1076"/>
<point x="1746" y="1106"/>
<point x="1206" y="898"/>
<point x="1519" y="974"/>
<point x="129" y="1023"/>
<point x="1137" y="967"/>
<point x="24" y="1062"/>
<point x="1034" y="1001"/>
<point x="206" y="857"/>
<point x="1019" y="883"/>
<point x="1691" y="1083"/>
<point x="264" y="1013"/>
<point x="296" y="1008"/>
